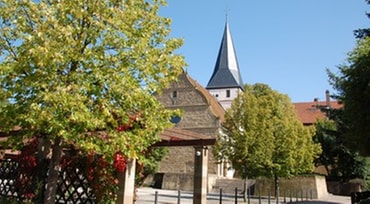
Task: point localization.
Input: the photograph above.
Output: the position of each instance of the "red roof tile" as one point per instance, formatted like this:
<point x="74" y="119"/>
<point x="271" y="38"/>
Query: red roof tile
<point x="181" y="137"/>
<point x="310" y="112"/>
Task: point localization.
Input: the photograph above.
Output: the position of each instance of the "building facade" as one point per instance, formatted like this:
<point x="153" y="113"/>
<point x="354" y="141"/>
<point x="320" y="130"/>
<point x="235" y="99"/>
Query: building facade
<point x="203" y="112"/>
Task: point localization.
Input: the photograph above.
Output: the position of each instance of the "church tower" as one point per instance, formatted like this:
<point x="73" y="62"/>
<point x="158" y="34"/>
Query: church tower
<point x="226" y="82"/>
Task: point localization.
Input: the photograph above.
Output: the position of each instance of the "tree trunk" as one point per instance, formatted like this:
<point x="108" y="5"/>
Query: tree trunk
<point x="43" y="149"/>
<point x="54" y="166"/>
<point x="246" y="186"/>
<point x="327" y="169"/>
<point x="245" y="192"/>
<point x="277" y="189"/>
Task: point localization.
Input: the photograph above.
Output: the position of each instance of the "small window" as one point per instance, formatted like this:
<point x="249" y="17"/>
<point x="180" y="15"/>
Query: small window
<point x="174" y="94"/>
<point x="228" y="93"/>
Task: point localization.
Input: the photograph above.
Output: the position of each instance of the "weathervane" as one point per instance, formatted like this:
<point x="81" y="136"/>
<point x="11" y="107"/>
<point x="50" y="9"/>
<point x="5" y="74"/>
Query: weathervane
<point x="226" y="10"/>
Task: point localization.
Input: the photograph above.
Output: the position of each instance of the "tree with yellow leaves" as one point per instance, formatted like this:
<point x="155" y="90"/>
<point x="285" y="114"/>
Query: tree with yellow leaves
<point x="71" y="69"/>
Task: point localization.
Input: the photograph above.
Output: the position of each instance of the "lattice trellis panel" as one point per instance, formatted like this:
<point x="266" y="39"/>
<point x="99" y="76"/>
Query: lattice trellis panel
<point x="73" y="187"/>
<point x="8" y="178"/>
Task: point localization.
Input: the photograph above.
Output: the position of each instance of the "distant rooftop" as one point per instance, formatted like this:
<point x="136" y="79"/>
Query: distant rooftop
<point x="310" y="112"/>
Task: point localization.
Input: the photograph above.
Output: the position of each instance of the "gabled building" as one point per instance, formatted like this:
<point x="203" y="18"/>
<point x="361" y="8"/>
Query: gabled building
<point x="310" y="112"/>
<point x="201" y="114"/>
<point x="226" y="81"/>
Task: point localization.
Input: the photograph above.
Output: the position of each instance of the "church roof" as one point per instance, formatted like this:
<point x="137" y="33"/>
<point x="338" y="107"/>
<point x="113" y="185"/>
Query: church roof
<point x="226" y="73"/>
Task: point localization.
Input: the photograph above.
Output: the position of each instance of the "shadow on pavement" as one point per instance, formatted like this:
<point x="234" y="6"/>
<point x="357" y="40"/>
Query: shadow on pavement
<point x="316" y="202"/>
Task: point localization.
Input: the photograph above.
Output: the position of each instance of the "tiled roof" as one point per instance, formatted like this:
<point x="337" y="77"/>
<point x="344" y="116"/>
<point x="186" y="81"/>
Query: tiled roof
<point x="181" y="137"/>
<point x="310" y="112"/>
<point x="169" y="137"/>
<point x="215" y="106"/>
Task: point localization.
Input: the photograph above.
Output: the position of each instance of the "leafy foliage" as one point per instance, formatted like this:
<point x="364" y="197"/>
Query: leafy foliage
<point x="341" y="162"/>
<point x="70" y="67"/>
<point x="74" y="72"/>
<point x="367" y="173"/>
<point x="352" y="84"/>
<point x="100" y="174"/>
<point x="262" y="135"/>
<point x="363" y="32"/>
<point x="149" y="165"/>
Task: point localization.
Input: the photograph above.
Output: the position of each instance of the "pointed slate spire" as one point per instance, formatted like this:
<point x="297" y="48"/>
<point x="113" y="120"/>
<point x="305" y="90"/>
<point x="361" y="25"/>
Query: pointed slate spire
<point x="226" y="73"/>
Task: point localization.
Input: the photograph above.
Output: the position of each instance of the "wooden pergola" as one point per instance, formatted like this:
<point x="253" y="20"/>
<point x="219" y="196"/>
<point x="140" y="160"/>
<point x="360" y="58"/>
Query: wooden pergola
<point x="180" y="137"/>
<point x="170" y="138"/>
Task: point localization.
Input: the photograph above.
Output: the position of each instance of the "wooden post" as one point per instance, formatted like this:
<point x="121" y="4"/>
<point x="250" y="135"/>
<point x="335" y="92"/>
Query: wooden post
<point x="200" y="175"/>
<point x="126" y="184"/>
<point x="178" y="197"/>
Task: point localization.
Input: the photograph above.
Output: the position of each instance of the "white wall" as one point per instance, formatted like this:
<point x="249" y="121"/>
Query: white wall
<point x="222" y="98"/>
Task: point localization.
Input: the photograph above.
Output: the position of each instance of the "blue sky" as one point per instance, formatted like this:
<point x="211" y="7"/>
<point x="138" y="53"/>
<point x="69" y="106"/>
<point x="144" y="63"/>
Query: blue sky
<point x="286" y="44"/>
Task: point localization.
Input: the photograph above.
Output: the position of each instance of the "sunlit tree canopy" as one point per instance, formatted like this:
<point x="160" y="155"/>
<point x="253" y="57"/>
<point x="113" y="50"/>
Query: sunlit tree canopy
<point x="69" y="68"/>
<point x="263" y="136"/>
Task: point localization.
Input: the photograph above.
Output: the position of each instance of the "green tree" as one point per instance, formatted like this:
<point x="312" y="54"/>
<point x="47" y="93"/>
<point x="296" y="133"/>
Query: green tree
<point x="149" y="164"/>
<point x="352" y="84"/>
<point x="262" y="136"/>
<point x="341" y="162"/>
<point x="363" y="32"/>
<point x="71" y="69"/>
<point x="353" y="90"/>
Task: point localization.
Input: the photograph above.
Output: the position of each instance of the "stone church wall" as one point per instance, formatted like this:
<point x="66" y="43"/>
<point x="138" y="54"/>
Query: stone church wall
<point x="197" y="117"/>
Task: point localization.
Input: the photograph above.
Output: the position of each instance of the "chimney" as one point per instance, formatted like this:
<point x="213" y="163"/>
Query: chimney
<point x="327" y="96"/>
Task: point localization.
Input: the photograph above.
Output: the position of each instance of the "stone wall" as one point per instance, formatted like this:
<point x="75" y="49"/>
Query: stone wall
<point x="346" y="188"/>
<point x="312" y="186"/>
<point x="178" y="160"/>
<point x="176" y="181"/>
<point x="197" y="117"/>
<point x="181" y="160"/>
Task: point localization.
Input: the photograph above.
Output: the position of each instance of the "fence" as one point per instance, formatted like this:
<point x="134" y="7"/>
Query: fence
<point x="73" y="186"/>
<point x="358" y="197"/>
<point x="221" y="198"/>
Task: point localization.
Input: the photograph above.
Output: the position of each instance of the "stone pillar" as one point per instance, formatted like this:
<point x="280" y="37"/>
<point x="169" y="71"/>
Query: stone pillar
<point x="126" y="184"/>
<point x="200" y="175"/>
